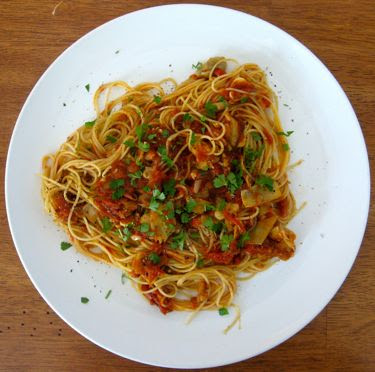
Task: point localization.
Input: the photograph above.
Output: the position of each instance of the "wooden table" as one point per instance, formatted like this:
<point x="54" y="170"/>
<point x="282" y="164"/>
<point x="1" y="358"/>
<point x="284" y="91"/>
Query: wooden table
<point x="340" y="32"/>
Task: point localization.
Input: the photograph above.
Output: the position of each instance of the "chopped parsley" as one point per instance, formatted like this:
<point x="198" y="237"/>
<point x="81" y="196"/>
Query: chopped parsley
<point x="256" y="136"/>
<point x="144" y="227"/>
<point x="244" y="100"/>
<point x="185" y="217"/>
<point x="193" y="139"/>
<point x="111" y="139"/>
<point x="190" y="205"/>
<point x="123" y="278"/>
<point x="285" y="147"/>
<point x="221" y="205"/>
<point x="200" y="263"/>
<point x="87" y="86"/>
<point x="251" y="155"/>
<point x="203" y="130"/>
<point x="187" y="117"/>
<point x="135" y="176"/>
<point x="84" y="300"/>
<point x="211" y="109"/>
<point x="178" y="241"/>
<point x="215" y="227"/>
<point x="157" y="99"/>
<point x="197" y="66"/>
<point x="106" y="224"/>
<point x="243" y="238"/>
<point x="223" y="311"/>
<point x="224" y="101"/>
<point x="130" y="143"/>
<point x="65" y="245"/>
<point x="154" y="258"/>
<point x="162" y="150"/>
<point x="203" y="119"/>
<point x="144" y="146"/>
<point x="147" y="188"/>
<point x="225" y="242"/>
<point x="287" y="134"/>
<point x="169" y="187"/>
<point x="140" y="131"/>
<point x="165" y="133"/>
<point x="116" y="183"/>
<point x="126" y="231"/>
<point x="157" y="194"/>
<point x="108" y="294"/>
<point x="220" y="181"/>
<point x="265" y="181"/>
<point x="118" y="194"/>
<point x="151" y="136"/>
<point x="90" y="124"/>
<point x="154" y="205"/>
<point x="234" y="181"/>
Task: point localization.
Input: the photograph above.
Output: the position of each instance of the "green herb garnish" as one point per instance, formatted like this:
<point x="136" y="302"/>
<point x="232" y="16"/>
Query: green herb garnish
<point x="244" y="100"/>
<point x="220" y="181"/>
<point x="225" y="242"/>
<point x="198" y="66"/>
<point x="265" y="181"/>
<point x="154" y="258"/>
<point x="87" y="86"/>
<point x="108" y="294"/>
<point x="90" y="124"/>
<point x="190" y="205"/>
<point x="193" y="140"/>
<point x="162" y="150"/>
<point x="65" y="245"/>
<point x="185" y="218"/>
<point x="169" y="187"/>
<point x="285" y="147"/>
<point x="130" y="143"/>
<point x="243" y="238"/>
<point x="223" y="311"/>
<point x="287" y="134"/>
<point x="211" y="109"/>
<point x="144" y="146"/>
<point x="178" y="241"/>
<point x="157" y="99"/>
<point x="111" y="139"/>
<point x="84" y="300"/>
<point x="116" y="183"/>
<point x="256" y="136"/>
<point x="106" y="224"/>
<point x="221" y="205"/>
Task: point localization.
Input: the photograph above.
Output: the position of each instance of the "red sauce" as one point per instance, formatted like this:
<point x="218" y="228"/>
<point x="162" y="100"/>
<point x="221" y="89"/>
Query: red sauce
<point x="270" y="249"/>
<point x="62" y="207"/>
<point x="218" y="71"/>
<point x="156" y="298"/>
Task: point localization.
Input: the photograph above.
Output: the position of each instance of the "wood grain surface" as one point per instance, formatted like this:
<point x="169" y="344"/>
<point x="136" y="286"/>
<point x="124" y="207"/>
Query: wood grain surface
<point x="340" y="32"/>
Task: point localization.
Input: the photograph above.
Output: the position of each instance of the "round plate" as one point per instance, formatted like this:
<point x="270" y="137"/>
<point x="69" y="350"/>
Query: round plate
<point x="148" y="45"/>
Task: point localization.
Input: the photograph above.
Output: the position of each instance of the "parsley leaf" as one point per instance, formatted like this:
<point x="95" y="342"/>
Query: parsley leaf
<point x="223" y="100"/>
<point x="287" y="134"/>
<point x="244" y="99"/>
<point x="154" y="258"/>
<point x="90" y="124"/>
<point x="220" y="181"/>
<point x="187" y="117"/>
<point x="106" y="224"/>
<point x="147" y="188"/>
<point x="108" y="294"/>
<point x="157" y="99"/>
<point x="234" y="181"/>
<point x="135" y="176"/>
<point x="178" y="241"/>
<point x="221" y="205"/>
<point x="144" y="146"/>
<point x="87" y="86"/>
<point x="116" y="183"/>
<point x="144" y="227"/>
<point x="154" y="205"/>
<point x="200" y="263"/>
<point x="65" y="245"/>
<point x="225" y="242"/>
<point x="130" y="143"/>
<point x="84" y="300"/>
<point x="265" y="181"/>
<point x="243" y="238"/>
<point x="151" y="136"/>
<point x="256" y="136"/>
<point x="111" y="139"/>
<point x="165" y="133"/>
<point x="158" y="194"/>
<point x="251" y="155"/>
<point x="169" y="187"/>
<point x="190" y="205"/>
<point x="223" y="311"/>
<point x="140" y="130"/>
<point x="118" y="194"/>
<point x="203" y="119"/>
<point x="193" y="139"/>
<point x="209" y="223"/>
<point x="285" y="147"/>
<point x="126" y="232"/>
<point x="198" y="66"/>
<point x="211" y="109"/>
<point x="162" y="150"/>
<point x="185" y="217"/>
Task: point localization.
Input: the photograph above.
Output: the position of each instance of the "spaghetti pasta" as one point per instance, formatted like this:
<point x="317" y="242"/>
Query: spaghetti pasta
<point x="186" y="192"/>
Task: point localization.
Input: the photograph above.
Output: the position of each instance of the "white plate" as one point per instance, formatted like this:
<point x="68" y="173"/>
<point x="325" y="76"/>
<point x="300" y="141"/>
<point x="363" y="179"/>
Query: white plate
<point x="165" y="41"/>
